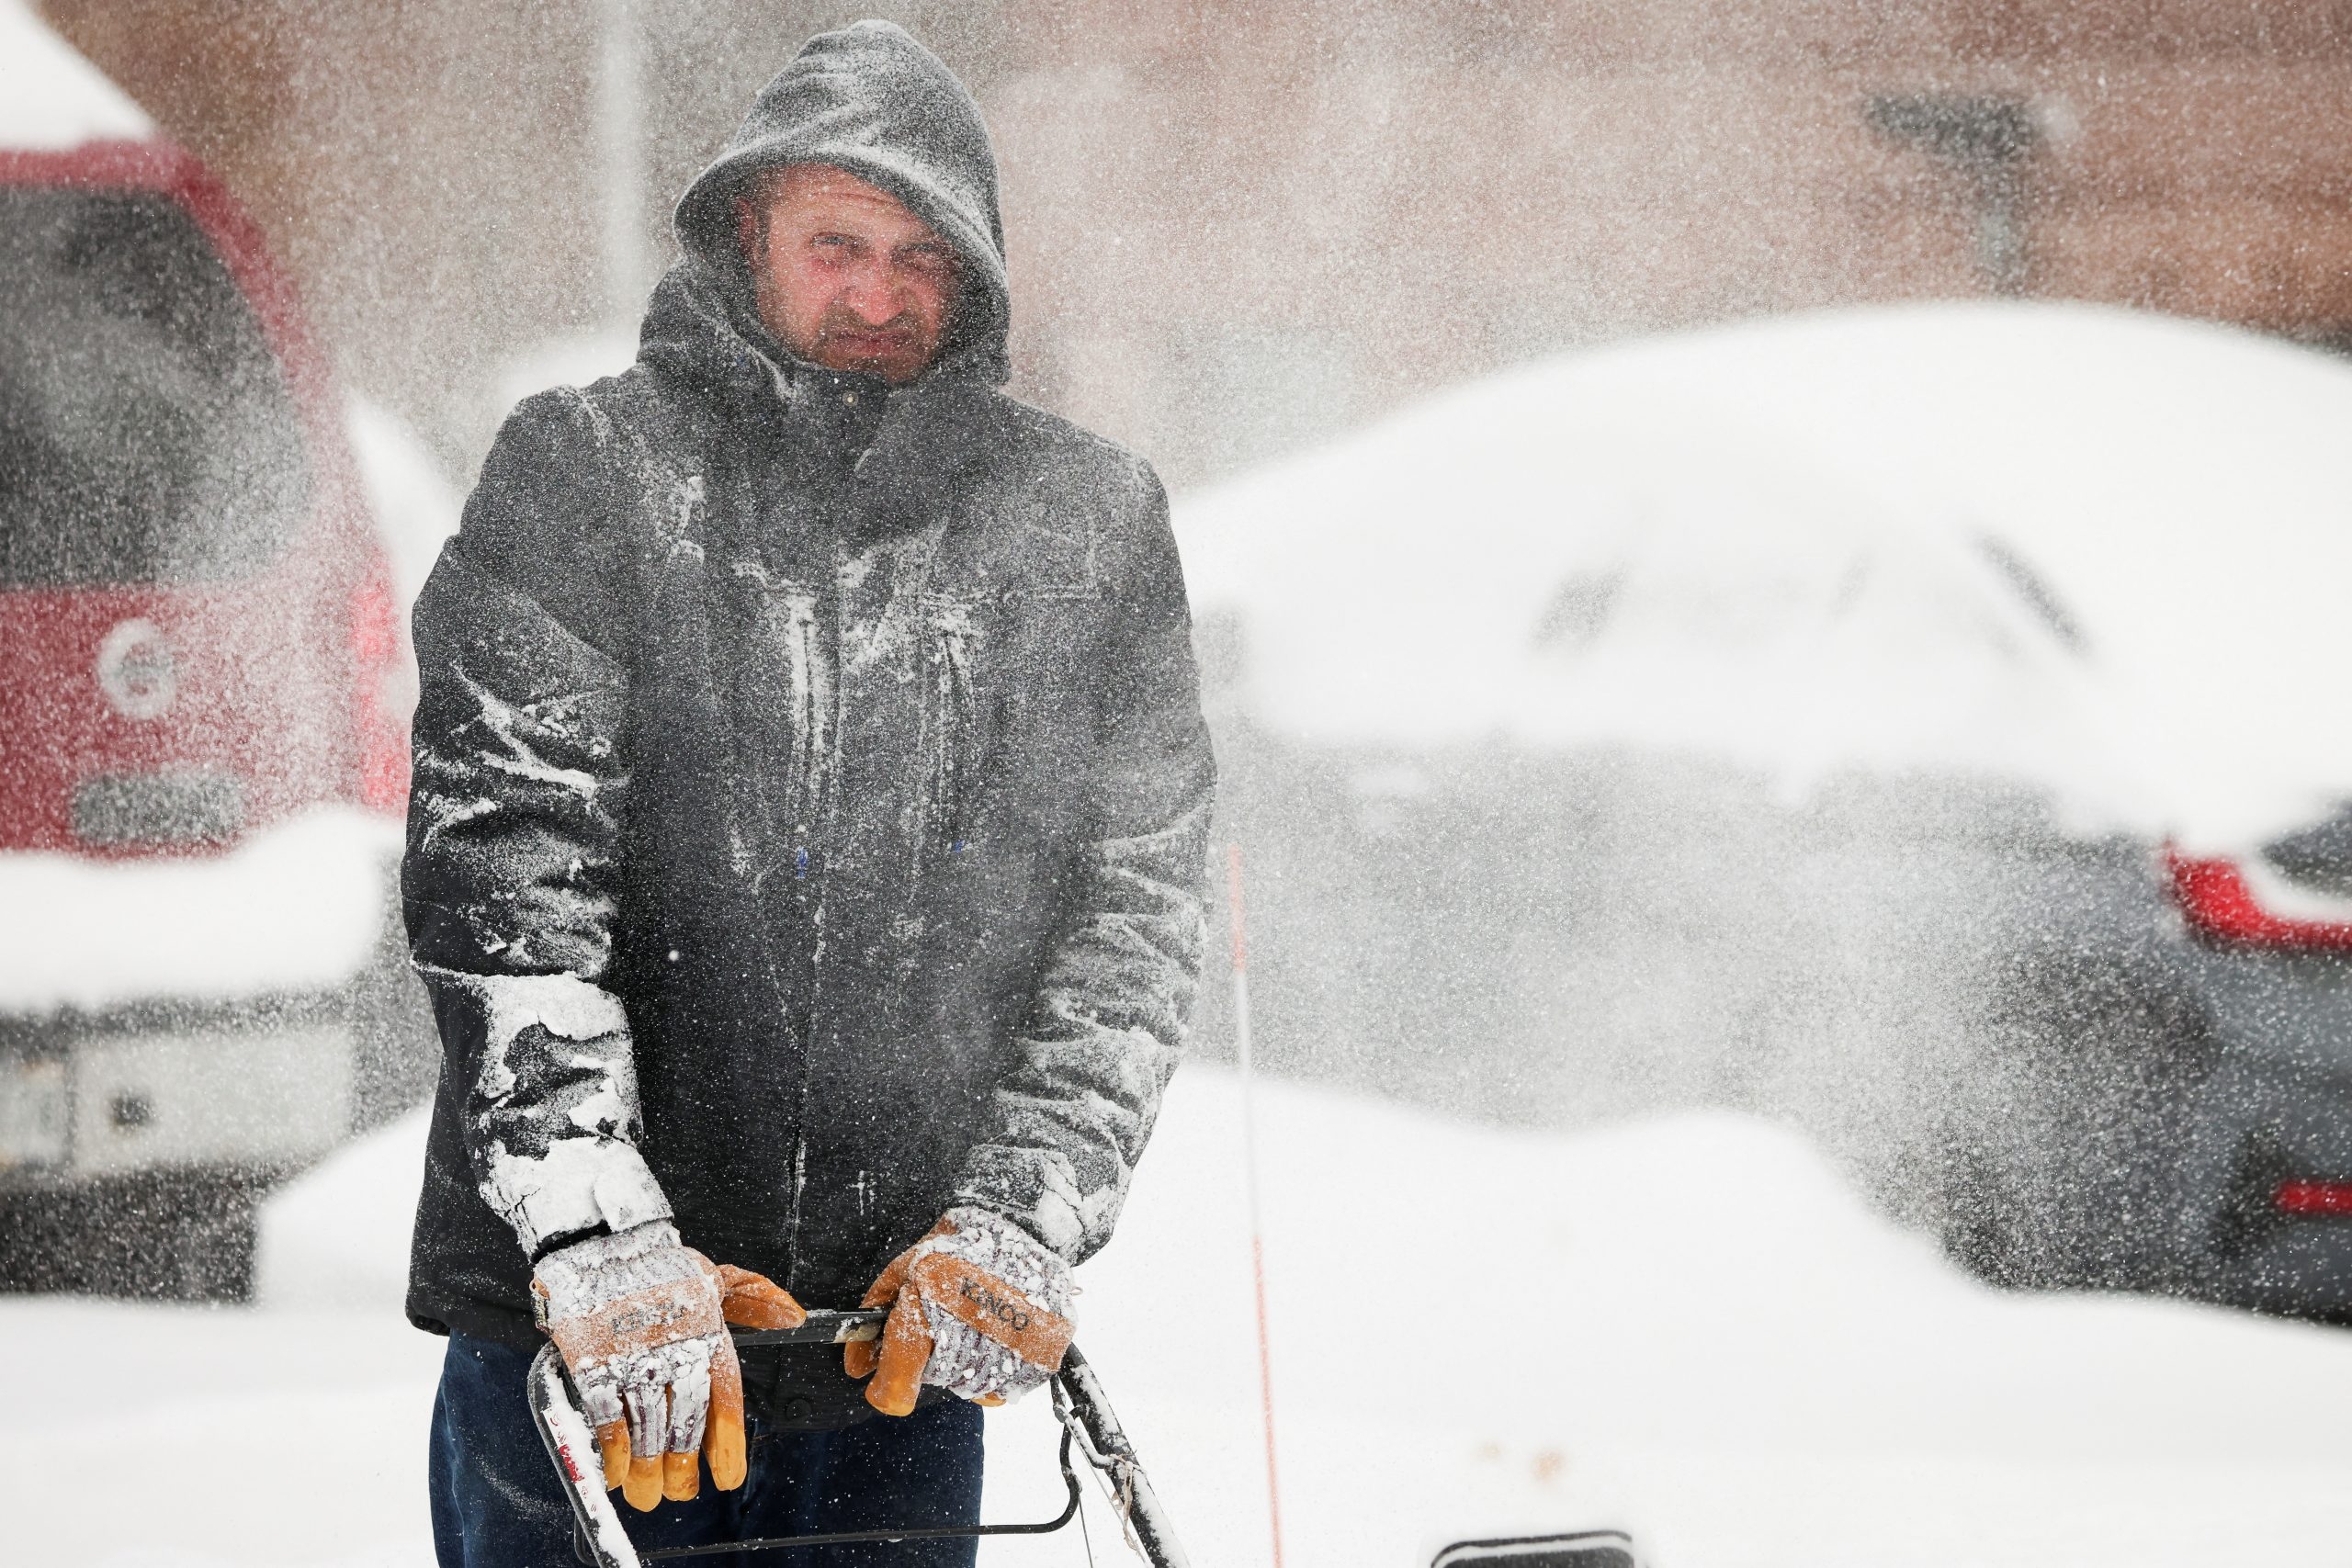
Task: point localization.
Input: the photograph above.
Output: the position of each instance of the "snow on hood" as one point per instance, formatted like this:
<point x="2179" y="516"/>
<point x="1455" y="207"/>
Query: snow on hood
<point x="297" y="907"/>
<point x="869" y="99"/>
<point x="51" y="97"/>
<point x="1816" y="543"/>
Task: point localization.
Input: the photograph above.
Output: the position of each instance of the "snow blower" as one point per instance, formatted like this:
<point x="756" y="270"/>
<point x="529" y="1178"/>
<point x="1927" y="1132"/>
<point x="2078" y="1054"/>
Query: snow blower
<point x="1089" y="1429"/>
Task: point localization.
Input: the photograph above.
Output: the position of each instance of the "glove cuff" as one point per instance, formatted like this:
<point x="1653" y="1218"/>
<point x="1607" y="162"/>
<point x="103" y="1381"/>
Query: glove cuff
<point x="598" y="1268"/>
<point x="994" y="1245"/>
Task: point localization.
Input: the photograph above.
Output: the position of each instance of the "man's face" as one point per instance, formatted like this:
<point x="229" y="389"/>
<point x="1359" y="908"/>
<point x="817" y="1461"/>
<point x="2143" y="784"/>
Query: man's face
<point x="845" y="275"/>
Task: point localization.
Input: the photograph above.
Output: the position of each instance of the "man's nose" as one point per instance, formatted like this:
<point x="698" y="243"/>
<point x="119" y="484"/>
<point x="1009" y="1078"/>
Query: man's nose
<point x="872" y="297"/>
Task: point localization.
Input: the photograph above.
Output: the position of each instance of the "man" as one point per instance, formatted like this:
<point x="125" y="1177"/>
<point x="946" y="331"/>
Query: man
<point x="805" y="857"/>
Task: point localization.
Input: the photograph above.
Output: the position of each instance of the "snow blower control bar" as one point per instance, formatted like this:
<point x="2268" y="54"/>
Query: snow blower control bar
<point x="1085" y="1415"/>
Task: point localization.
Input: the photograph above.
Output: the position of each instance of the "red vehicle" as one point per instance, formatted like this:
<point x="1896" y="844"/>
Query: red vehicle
<point x="203" y="719"/>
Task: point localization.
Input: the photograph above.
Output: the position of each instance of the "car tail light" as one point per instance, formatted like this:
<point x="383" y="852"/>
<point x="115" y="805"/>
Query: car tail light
<point x="2231" y="901"/>
<point x="2307" y="1199"/>
<point x="383" y="696"/>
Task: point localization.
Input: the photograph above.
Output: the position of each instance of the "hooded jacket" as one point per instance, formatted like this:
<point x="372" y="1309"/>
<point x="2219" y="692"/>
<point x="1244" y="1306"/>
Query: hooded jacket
<point x="811" y="794"/>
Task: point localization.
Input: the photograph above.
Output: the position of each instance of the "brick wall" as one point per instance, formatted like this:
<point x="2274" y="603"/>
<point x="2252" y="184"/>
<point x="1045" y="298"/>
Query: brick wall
<point x="1235" y="226"/>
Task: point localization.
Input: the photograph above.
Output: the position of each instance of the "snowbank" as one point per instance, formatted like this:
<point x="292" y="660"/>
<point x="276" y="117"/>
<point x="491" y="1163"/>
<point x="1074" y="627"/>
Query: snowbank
<point x="297" y="907"/>
<point x="50" y="98"/>
<point x="1687" y="1325"/>
<point x="1796" y="544"/>
<point x="338" y="1238"/>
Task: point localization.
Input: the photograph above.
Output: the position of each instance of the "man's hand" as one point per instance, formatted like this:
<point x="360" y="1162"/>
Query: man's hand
<point x="978" y="1308"/>
<point x="642" y="1323"/>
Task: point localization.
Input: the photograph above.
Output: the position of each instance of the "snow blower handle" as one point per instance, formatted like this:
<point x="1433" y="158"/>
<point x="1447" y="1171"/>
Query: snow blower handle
<point x="599" y="1540"/>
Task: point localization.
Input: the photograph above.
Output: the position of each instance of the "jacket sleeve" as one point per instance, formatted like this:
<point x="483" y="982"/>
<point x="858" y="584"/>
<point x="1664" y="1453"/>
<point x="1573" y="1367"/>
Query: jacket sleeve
<point x="514" y="819"/>
<point x="1115" y="994"/>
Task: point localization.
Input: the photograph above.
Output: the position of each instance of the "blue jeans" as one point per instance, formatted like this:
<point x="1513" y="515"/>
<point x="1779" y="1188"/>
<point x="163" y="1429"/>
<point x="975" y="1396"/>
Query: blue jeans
<point x="496" y="1503"/>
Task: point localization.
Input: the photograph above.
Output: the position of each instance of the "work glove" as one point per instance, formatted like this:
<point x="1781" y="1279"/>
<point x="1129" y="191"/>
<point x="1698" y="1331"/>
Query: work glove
<point x="978" y="1308"/>
<point x="642" y="1324"/>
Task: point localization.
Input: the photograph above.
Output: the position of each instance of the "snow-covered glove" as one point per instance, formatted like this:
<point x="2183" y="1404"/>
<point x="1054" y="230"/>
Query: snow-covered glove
<point x="978" y="1308"/>
<point x="642" y="1323"/>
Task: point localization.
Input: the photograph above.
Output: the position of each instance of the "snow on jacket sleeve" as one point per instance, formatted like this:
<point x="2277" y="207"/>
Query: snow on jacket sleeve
<point x="512" y="826"/>
<point x="1116" y="988"/>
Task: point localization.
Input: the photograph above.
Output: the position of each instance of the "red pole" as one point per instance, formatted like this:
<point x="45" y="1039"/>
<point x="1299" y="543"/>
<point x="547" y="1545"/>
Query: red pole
<point x="1249" y="1182"/>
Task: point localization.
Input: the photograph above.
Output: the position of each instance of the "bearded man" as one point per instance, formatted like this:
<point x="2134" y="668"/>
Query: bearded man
<point x="805" y="858"/>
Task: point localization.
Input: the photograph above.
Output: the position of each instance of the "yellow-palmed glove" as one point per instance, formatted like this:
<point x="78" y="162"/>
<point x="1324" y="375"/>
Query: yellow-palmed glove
<point x="642" y="1323"/>
<point x="978" y="1308"/>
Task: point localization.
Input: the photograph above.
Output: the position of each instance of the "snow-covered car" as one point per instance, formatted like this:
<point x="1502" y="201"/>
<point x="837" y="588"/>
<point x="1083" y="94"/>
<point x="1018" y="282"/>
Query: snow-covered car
<point x="204" y="711"/>
<point x="1796" y="714"/>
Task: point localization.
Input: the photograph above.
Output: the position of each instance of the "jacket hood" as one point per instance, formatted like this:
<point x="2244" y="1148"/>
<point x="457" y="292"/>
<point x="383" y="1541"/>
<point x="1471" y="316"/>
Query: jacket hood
<point x="871" y="100"/>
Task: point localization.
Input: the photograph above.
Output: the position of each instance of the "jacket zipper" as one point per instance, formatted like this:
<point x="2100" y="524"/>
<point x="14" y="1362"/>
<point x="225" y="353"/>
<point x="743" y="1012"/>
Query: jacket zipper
<point x="821" y="699"/>
<point x="952" y="767"/>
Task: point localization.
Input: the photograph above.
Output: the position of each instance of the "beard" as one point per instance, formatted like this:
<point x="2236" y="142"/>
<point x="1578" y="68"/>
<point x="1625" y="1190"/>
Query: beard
<point x="897" y="350"/>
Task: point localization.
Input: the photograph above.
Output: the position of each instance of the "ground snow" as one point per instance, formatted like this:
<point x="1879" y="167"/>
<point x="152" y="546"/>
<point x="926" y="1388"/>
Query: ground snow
<point x="296" y="907"/>
<point x="1688" y="1327"/>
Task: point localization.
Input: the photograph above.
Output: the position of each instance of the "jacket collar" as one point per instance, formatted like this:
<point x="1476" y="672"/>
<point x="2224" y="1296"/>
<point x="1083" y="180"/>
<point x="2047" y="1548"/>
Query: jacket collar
<point x="907" y="447"/>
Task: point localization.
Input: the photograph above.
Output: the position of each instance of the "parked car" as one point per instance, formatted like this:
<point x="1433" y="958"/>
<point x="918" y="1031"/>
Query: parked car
<point x="205" y="712"/>
<point x="1794" y="715"/>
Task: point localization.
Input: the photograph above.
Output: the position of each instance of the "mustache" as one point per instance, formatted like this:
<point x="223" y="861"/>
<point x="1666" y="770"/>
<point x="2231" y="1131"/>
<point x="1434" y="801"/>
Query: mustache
<point x="839" y="323"/>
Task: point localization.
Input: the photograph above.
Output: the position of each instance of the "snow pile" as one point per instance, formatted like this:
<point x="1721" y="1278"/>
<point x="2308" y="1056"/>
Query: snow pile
<point x="1688" y="1327"/>
<point x="338" y="1237"/>
<point x="1816" y="543"/>
<point x="299" y="905"/>
<point x="50" y="98"/>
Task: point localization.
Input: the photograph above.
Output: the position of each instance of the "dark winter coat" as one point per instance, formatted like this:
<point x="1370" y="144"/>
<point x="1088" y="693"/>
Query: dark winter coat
<point x="812" y="791"/>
